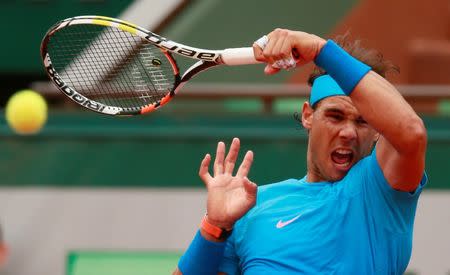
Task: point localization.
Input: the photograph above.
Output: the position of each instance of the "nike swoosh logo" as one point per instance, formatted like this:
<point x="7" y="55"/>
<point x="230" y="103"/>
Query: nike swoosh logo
<point x="282" y="224"/>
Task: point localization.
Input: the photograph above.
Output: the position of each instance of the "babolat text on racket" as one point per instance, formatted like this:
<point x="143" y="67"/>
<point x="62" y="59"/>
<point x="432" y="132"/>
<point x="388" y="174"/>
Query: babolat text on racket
<point x="117" y="68"/>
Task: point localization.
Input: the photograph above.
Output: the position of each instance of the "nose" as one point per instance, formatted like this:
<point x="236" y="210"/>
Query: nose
<point x="348" y="131"/>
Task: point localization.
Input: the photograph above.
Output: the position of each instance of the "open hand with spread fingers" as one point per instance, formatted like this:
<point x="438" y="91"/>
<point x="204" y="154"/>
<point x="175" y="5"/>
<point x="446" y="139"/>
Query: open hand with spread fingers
<point x="229" y="196"/>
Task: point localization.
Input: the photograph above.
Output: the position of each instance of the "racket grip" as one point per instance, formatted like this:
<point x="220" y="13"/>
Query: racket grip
<point x="238" y="56"/>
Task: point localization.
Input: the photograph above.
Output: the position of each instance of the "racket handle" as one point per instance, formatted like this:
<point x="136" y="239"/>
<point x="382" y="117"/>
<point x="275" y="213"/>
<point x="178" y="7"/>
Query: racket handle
<point x="238" y="56"/>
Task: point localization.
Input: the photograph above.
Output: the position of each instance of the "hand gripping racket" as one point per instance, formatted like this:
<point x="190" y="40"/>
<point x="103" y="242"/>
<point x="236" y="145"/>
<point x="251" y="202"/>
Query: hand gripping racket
<point x="114" y="67"/>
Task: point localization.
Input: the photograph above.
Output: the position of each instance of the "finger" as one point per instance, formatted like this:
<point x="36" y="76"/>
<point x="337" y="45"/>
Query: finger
<point x="258" y="47"/>
<point x="267" y="51"/>
<point x="289" y="46"/>
<point x="203" y="171"/>
<point x="230" y="160"/>
<point x="250" y="188"/>
<point x="278" y="50"/>
<point x="283" y="53"/>
<point x="245" y="165"/>
<point x="269" y="70"/>
<point x="218" y="162"/>
<point x="258" y="53"/>
<point x="271" y="50"/>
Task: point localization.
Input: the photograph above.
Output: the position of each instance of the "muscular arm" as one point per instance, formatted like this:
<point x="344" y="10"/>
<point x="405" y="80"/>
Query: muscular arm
<point x="402" y="144"/>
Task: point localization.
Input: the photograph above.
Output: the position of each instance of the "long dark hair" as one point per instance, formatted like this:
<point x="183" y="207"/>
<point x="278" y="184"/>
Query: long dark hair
<point x="371" y="57"/>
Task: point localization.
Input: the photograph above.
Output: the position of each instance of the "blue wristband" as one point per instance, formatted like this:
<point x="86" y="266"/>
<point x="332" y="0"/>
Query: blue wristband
<point x="346" y="70"/>
<point x="203" y="257"/>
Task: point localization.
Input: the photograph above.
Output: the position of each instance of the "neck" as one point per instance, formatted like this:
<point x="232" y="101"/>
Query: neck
<point x="311" y="175"/>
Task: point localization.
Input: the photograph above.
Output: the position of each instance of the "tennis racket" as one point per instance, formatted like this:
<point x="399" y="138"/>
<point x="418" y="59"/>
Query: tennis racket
<point x="117" y="68"/>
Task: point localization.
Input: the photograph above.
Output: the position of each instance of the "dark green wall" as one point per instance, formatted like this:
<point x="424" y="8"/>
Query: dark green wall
<point x="157" y="150"/>
<point x="211" y="24"/>
<point x="218" y="24"/>
<point x="23" y="24"/>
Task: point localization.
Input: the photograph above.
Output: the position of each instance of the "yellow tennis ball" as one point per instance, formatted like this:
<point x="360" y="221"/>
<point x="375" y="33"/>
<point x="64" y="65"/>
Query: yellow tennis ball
<point x="26" y="112"/>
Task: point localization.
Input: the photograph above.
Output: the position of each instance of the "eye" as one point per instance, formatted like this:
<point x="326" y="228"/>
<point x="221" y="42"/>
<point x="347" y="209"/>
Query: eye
<point x="361" y="121"/>
<point x="336" y="117"/>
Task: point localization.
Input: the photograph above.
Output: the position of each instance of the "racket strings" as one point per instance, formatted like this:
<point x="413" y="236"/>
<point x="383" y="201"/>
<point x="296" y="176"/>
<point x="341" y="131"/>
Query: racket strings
<point x="111" y="66"/>
<point x="80" y="74"/>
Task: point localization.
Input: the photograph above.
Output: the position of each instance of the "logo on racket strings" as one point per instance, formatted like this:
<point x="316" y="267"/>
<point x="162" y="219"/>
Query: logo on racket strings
<point x="156" y="62"/>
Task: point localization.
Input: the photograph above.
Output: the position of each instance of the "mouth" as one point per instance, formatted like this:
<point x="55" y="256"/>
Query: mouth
<point x="342" y="158"/>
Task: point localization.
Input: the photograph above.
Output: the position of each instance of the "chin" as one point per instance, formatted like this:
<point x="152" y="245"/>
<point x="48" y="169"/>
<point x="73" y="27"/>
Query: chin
<point x="337" y="175"/>
<point x="335" y="178"/>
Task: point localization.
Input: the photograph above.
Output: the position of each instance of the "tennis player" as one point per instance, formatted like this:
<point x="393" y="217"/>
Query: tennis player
<point x="353" y="212"/>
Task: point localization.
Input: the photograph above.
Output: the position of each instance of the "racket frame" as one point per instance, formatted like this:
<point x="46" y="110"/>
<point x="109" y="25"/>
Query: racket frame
<point x="207" y="59"/>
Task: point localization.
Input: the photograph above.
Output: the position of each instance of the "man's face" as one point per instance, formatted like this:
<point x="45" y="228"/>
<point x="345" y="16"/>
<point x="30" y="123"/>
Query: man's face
<point x="338" y="138"/>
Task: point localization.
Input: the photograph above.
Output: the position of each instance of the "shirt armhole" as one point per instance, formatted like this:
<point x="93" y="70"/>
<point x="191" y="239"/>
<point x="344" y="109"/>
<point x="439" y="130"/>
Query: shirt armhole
<point x="384" y="184"/>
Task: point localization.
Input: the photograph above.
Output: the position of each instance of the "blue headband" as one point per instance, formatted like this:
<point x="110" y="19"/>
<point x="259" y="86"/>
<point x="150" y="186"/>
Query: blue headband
<point x="324" y="86"/>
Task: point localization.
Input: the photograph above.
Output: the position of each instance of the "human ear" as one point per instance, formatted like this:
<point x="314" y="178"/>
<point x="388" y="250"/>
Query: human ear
<point x="307" y="115"/>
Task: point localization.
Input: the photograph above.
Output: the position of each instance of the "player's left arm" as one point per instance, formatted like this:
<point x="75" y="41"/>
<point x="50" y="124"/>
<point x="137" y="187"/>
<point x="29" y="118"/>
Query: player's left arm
<point x="402" y="144"/>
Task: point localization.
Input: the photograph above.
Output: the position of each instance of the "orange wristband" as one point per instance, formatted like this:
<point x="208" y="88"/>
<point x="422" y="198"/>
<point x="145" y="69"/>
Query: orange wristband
<point x="215" y="231"/>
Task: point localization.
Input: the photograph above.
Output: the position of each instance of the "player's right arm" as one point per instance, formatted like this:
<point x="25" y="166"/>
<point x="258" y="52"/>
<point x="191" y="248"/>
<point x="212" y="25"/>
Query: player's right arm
<point x="229" y="196"/>
<point x="401" y="149"/>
